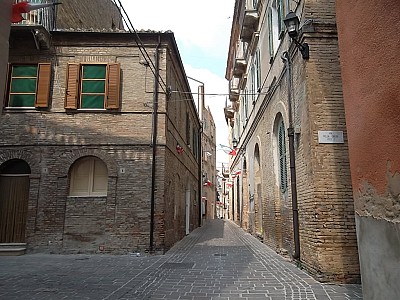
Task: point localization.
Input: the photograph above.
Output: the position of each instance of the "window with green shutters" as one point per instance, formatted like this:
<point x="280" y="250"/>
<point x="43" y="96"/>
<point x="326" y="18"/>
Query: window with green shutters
<point x="93" y="86"/>
<point x="282" y="157"/>
<point x="270" y="34"/>
<point x="28" y="85"/>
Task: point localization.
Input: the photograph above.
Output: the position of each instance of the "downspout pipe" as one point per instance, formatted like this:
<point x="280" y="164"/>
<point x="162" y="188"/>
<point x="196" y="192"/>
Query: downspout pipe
<point x="200" y="172"/>
<point x="293" y="181"/>
<point x="154" y="142"/>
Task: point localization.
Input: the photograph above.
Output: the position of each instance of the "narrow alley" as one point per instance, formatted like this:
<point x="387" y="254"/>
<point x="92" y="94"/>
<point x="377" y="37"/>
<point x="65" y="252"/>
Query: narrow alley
<point x="216" y="261"/>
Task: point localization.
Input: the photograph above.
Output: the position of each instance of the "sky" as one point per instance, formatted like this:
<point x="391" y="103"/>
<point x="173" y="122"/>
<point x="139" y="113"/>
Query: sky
<point x="202" y="31"/>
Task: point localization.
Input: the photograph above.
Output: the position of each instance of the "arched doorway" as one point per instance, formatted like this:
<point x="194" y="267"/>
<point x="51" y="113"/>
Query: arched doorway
<point x="14" y="195"/>
<point x="257" y="196"/>
<point x="245" y="202"/>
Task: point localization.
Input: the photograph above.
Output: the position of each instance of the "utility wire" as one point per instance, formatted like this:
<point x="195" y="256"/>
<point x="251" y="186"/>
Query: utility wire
<point x="139" y="42"/>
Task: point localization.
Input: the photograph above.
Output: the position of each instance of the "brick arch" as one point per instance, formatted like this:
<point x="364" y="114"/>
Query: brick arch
<point x="104" y="156"/>
<point x="26" y="156"/>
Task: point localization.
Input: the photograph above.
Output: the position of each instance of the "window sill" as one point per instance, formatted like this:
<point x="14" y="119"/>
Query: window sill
<point x="91" y="196"/>
<point x="21" y="110"/>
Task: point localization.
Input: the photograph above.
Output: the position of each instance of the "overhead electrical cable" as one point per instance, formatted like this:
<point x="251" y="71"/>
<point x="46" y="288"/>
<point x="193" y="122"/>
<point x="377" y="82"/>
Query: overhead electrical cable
<point x="139" y="43"/>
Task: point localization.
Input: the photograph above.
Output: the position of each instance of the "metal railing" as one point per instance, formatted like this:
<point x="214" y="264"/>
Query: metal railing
<point x="43" y="16"/>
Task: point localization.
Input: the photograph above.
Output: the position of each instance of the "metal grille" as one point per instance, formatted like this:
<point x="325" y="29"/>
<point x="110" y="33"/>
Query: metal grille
<point x="44" y="16"/>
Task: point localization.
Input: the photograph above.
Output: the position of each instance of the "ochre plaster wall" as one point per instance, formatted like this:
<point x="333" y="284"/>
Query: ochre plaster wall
<point x="369" y="39"/>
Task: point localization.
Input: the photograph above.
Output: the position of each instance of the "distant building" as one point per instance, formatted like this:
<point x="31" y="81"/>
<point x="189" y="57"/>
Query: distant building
<point x="79" y="169"/>
<point x="369" y="38"/>
<point x="276" y="140"/>
<point x="210" y="183"/>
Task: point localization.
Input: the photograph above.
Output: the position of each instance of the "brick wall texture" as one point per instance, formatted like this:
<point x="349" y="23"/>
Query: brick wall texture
<point x="51" y="140"/>
<point x="328" y="245"/>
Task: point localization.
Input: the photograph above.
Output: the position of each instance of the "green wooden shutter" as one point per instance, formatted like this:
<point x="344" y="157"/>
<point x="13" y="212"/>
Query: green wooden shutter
<point x="270" y="34"/>
<point x="113" y="86"/>
<point x="282" y="157"/>
<point x="43" y="85"/>
<point x="72" y="86"/>
<point x="280" y="17"/>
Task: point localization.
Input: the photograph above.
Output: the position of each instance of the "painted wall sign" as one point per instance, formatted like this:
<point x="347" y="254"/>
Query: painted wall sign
<point x="330" y="137"/>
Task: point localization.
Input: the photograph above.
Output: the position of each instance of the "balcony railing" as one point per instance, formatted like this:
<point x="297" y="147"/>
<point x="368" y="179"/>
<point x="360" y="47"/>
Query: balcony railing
<point x="45" y="17"/>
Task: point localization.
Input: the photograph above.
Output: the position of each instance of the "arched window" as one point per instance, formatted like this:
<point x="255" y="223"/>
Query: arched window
<point x="88" y="177"/>
<point x="282" y="156"/>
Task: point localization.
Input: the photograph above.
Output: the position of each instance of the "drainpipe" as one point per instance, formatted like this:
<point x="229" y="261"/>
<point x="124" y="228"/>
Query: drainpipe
<point x="200" y="174"/>
<point x="154" y="143"/>
<point x="293" y="184"/>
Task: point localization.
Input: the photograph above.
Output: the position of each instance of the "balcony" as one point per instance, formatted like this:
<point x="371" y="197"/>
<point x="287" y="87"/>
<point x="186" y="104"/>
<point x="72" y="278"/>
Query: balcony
<point x="36" y="25"/>
<point x="234" y="95"/>
<point x="234" y="90"/>
<point x="253" y="44"/>
<point x="250" y="24"/>
<point x="44" y="16"/>
<point x="240" y="67"/>
<point x="229" y="112"/>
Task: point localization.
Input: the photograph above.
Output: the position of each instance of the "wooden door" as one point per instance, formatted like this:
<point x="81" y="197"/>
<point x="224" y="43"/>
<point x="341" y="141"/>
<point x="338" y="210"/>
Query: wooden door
<point x="14" y="194"/>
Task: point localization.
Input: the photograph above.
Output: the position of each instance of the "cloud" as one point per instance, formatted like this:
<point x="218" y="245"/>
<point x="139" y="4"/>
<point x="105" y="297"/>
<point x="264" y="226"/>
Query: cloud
<point x="202" y="31"/>
<point x="202" y="24"/>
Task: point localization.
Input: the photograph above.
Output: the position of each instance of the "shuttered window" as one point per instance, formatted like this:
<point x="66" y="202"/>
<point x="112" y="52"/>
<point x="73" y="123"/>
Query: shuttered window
<point x="270" y="34"/>
<point x="280" y="9"/>
<point x="92" y="86"/>
<point x="282" y="157"/>
<point x="88" y="177"/>
<point x="28" y="86"/>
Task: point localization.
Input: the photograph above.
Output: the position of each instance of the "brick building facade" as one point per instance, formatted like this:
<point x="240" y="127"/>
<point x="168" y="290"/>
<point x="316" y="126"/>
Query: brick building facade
<point x="77" y="153"/>
<point x="209" y="165"/>
<point x="260" y="61"/>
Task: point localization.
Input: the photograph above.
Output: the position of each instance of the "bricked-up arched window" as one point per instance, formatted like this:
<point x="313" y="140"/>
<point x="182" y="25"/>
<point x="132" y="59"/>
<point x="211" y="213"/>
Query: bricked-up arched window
<point x="88" y="177"/>
<point x="283" y="181"/>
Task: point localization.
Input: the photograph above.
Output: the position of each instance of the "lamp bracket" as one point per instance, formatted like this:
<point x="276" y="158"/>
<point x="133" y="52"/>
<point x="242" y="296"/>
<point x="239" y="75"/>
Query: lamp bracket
<point x="304" y="48"/>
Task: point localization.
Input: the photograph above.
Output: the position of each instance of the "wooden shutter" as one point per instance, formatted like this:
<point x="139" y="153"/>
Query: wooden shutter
<point x="281" y="25"/>
<point x="7" y="86"/>
<point x="113" y="86"/>
<point x="282" y="157"/>
<point x="72" y="86"/>
<point x="43" y="85"/>
<point x="270" y="35"/>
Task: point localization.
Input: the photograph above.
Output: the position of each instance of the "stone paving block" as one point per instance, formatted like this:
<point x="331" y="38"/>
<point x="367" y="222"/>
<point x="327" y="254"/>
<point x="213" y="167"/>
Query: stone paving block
<point x="190" y="270"/>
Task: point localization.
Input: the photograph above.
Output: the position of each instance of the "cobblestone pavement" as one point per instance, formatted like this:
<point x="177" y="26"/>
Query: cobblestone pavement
<point x="216" y="261"/>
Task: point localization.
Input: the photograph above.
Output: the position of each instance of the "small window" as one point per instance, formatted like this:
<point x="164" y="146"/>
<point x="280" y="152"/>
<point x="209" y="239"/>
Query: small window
<point x="93" y="86"/>
<point x="28" y="86"/>
<point x="88" y="177"/>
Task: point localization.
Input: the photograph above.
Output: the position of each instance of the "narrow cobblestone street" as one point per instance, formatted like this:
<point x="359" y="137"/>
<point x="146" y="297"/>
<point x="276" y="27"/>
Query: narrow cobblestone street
<point x="216" y="261"/>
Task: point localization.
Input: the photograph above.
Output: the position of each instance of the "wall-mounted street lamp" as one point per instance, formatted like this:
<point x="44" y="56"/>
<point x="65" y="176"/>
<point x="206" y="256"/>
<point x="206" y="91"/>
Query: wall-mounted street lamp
<point x="292" y="24"/>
